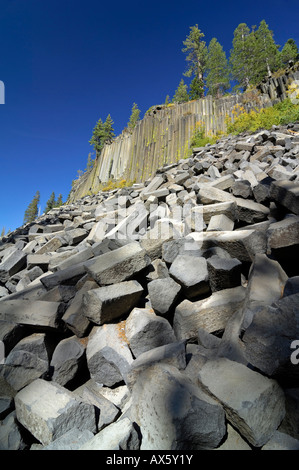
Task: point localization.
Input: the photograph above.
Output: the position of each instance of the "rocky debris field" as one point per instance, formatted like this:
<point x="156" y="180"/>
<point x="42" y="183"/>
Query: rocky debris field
<point x="164" y="316"/>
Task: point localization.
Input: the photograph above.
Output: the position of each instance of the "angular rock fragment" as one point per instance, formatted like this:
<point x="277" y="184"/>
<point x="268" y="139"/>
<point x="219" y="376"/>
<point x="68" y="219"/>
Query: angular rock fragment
<point x="12" y="264"/>
<point x="268" y="339"/>
<point x="253" y="404"/>
<point x="109" y="303"/>
<point x="75" y="236"/>
<point x="266" y="281"/>
<point x="67" y="361"/>
<point x="163" y="294"/>
<point x="10" y="435"/>
<point x="251" y="211"/>
<point x="121" y="435"/>
<point x="240" y="244"/>
<point x="71" y="440"/>
<point x="192" y="274"/>
<point x="145" y="330"/>
<point x="210" y="314"/>
<point x="108" y="412"/>
<point x="283" y="233"/>
<point x="108" y="354"/>
<point x="161" y="407"/>
<point x="220" y="222"/>
<point x="33" y="313"/>
<point x="48" y="411"/>
<point x="209" y="195"/>
<point x="118" y="265"/>
<point x="286" y="193"/>
<point x="224" y="273"/>
<point x="173" y="354"/>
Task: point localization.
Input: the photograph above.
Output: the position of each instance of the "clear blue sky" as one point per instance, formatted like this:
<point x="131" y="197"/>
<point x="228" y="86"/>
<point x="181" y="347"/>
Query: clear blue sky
<point x="67" y="63"/>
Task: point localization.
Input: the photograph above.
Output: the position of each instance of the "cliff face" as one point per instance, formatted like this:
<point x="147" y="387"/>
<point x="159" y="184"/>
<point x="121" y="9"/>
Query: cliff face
<point x="164" y="135"/>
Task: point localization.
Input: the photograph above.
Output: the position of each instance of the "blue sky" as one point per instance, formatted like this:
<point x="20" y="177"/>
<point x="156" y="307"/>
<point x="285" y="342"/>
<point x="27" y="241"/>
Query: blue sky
<point x="67" y="63"/>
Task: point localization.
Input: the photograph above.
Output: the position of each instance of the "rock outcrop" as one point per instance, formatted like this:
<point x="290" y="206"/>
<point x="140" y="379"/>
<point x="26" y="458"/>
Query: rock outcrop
<point x="165" y="133"/>
<point x="162" y="316"/>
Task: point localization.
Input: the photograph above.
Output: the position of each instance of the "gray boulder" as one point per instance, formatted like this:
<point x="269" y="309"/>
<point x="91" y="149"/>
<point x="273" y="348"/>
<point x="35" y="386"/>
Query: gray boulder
<point x="163" y="294"/>
<point x="161" y="400"/>
<point x="269" y="337"/>
<point x="145" y="330"/>
<point x="48" y="411"/>
<point x="224" y="273"/>
<point x="108" y="303"/>
<point x="121" y="435"/>
<point x="253" y="404"/>
<point x="192" y="274"/>
<point x="211" y="314"/>
<point x="67" y="360"/>
<point x="118" y="265"/>
<point x="108" y="354"/>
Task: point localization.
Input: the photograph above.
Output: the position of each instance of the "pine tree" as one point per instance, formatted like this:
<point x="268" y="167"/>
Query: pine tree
<point x="242" y="56"/>
<point x="181" y="94"/>
<point x="97" y="137"/>
<point x="108" y="130"/>
<point x="134" y="118"/>
<point x="59" y="201"/>
<point x="50" y="203"/>
<point x="2" y="233"/>
<point x="102" y="133"/>
<point x="196" y="89"/>
<point x="289" y="52"/>
<point x="266" y="56"/>
<point x="218" y="71"/>
<point x="90" y="162"/>
<point x="32" y="210"/>
<point x="196" y="49"/>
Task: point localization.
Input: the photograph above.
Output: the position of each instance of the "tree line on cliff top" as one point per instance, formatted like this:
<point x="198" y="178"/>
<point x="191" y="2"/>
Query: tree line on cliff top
<point x="254" y="56"/>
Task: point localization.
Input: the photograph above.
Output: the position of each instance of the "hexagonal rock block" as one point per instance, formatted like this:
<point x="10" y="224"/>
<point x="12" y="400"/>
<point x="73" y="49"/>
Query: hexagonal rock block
<point x="12" y="264"/>
<point x="118" y="265"/>
<point x="211" y="313"/>
<point x="283" y="233"/>
<point x="286" y="193"/>
<point x="67" y="359"/>
<point x="145" y="330"/>
<point x="48" y="411"/>
<point x="173" y="413"/>
<point x="108" y="354"/>
<point x="108" y="303"/>
<point x="192" y="273"/>
<point x="163" y="294"/>
<point x="268" y="339"/>
<point x="254" y="404"/>
<point x="224" y="273"/>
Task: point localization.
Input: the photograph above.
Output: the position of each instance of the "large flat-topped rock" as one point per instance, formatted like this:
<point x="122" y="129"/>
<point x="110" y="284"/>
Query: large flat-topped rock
<point x="28" y="312"/>
<point x="118" y="265"/>
<point x="286" y="193"/>
<point x="48" y="411"/>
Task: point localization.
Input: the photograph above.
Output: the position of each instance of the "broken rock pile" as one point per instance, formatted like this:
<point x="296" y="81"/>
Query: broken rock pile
<point x="164" y="316"/>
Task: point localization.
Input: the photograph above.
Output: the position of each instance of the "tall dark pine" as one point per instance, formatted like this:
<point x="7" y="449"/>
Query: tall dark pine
<point x="31" y="212"/>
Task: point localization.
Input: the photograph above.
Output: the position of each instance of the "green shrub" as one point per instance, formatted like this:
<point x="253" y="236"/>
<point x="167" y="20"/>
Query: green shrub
<point x="200" y="139"/>
<point x="281" y="113"/>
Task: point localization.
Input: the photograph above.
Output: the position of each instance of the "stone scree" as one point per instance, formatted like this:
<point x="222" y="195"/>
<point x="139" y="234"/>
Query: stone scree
<point x="164" y="316"/>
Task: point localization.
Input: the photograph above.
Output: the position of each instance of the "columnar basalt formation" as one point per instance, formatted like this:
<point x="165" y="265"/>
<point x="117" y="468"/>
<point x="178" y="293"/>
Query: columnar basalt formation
<point x="164" y="135"/>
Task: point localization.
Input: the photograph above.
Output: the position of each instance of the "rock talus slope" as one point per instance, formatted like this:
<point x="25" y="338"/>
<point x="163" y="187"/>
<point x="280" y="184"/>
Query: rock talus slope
<point x="162" y="316"/>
